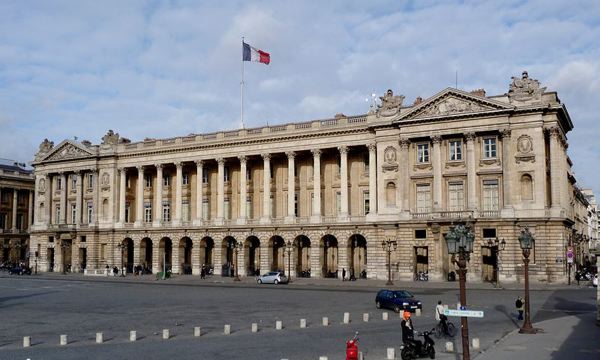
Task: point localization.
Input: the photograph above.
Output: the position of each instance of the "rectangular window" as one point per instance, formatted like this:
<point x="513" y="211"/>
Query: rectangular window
<point x="148" y="180"/>
<point x="338" y="202"/>
<point x="128" y="181"/>
<point x="205" y="209"/>
<point x="424" y="198"/>
<point x="57" y="212"/>
<point x="82" y="239"/>
<point x="490" y="195"/>
<point x="489" y="233"/>
<point x="226" y="209"/>
<point x="127" y="211"/>
<point x="455" y="148"/>
<point x="20" y="221"/>
<point x="90" y="181"/>
<point x="90" y="213"/>
<point x="185" y="210"/>
<point x="73" y="182"/>
<point x="204" y="176"/>
<point x="249" y="207"/>
<point x="422" y="153"/>
<point x="166" y="211"/>
<point x="456" y="196"/>
<point x="73" y="213"/>
<point x="248" y="173"/>
<point x="226" y="173"/>
<point x="185" y="180"/>
<point x="421" y="234"/>
<point x="147" y="212"/>
<point x="166" y="180"/>
<point x="366" y="203"/>
<point x="3" y="221"/>
<point x="272" y="207"/>
<point x="312" y="202"/>
<point x="366" y="162"/>
<point x="58" y="183"/>
<point x="489" y="148"/>
<point x="295" y="205"/>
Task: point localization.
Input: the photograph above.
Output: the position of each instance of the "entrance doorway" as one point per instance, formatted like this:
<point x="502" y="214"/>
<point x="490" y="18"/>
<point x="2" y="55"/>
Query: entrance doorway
<point x="83" y="258"/>
<point x="421" y="262"/>
<point x="489" y="262"/>
<point x="50" y="259"/>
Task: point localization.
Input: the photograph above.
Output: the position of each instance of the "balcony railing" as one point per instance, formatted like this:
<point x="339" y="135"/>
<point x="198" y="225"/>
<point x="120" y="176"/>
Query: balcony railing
<point x="489" y="213"/>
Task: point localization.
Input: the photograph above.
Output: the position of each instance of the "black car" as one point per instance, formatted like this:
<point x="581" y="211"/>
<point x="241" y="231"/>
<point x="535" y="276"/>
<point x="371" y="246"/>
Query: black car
<point x="397" y="300"/>
<point x="20" y="270"/>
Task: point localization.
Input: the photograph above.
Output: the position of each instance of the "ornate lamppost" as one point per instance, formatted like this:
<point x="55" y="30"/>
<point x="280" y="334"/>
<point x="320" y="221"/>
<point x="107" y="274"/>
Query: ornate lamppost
<point x="526" y="241"/>
<point x="460" y="240"/>
<point x="237" y="246"/>
<point x="289" y="247"/>
<point x="63" y="246"/>
<point x="121" y="247"/>
<point x="499" y="245"/>
<point x="389" y="246"/>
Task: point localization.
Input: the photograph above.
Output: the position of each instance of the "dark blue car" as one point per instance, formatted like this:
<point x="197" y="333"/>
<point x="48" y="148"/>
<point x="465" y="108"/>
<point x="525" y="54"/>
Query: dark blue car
<point x="397" y="300"/>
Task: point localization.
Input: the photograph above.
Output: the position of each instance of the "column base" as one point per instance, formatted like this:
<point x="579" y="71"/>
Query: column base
<point x="241" y="221"/>
<point x="315" y="219"/>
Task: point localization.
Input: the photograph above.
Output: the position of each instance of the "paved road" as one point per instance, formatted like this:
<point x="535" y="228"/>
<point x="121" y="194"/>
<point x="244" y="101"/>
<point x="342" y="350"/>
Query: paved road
<point x="45" y="307"/>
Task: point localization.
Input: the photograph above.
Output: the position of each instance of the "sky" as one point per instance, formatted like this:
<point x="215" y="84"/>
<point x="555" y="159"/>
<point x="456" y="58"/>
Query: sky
<point x="160" y="69"/>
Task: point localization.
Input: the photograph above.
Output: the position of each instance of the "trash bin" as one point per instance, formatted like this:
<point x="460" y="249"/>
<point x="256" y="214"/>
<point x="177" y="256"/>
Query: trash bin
<point x="451" y="276"/>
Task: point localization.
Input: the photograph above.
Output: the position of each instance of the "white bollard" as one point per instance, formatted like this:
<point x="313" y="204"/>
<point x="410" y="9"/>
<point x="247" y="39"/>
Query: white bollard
<point x="322" y="357"/>
<point x="132" y="335"/>
<point x="360" y="355"/>
<point x="384" y="316"/>
<point x="449" y="346"/>
<point x="418" y="312"/>
<point x="166" y="334"/>
<point x="475" y="343"/>
<point x="401" y="314"/>
<point x="197" y="331"/>
<point x="99" y="338"/>
<point x="366" y="317"/>
<point x="254" y="327"/>
<point x="346" y="318"/>
<point x="278" y="325"/>
<point x="227" y="330"/>
<point x="63" y="340"/>
<point x="391" y="354"/>
<point x="26" y="341"/>
<point x="302" y="323"/>
<point x="325" y="321"/>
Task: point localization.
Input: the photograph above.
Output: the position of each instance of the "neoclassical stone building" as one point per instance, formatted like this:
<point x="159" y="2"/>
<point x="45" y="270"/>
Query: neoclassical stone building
<point x="321" y="195"/>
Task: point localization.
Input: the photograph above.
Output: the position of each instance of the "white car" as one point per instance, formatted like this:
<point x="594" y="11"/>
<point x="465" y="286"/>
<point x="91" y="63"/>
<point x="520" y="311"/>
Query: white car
<point x="595" y="280"/>
<point x="272" y="277"/>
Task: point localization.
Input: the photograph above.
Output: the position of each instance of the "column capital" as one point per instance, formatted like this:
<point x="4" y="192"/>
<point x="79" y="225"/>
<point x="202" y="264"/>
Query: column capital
<point x="199" y="163"/>
<point x="436" y="139"/>
<point x="372" y="147"/>
<point x="122" y="169"/>
<point x="343" y="149"/>
<point x="158" y="166"/>
<point x="470" y="136"/>
<point x="220" y="161"/>
<point x="178" y="164"/>
<point x="243" y="159"/>
<point x="266" y="156"/>
<point x="290" y="154"/>
<point x="404" y="143"/>
<point x="77" y="172"/>
<point x="140" y="168"/>
<point x="316" y="152"/>
<point x="505" y="133"/>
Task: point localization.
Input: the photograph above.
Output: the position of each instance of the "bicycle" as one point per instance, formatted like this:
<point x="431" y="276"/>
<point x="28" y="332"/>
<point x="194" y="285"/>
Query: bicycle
<point x="439" y="331"/>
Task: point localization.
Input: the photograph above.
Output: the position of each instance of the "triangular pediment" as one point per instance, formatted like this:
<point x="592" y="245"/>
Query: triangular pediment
<point x="67" y="150"/>
<point x="451" y="102"/>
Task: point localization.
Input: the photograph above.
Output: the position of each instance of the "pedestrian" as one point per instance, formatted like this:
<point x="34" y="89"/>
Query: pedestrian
<point x="202" y="273"/>
<point x="343" y="274"/>
<point x="352" y="277"/>
<point x="440" y="317"/>
<point x="520" y="305"/>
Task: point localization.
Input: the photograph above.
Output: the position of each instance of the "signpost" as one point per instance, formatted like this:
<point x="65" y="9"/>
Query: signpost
<point x="464" y="313"/>
<point x="569" y="262"/>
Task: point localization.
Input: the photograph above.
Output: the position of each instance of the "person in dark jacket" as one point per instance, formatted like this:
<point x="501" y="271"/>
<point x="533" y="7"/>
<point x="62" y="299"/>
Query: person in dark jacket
<point x="520" y="305"/>
<point x="408" y="332"/>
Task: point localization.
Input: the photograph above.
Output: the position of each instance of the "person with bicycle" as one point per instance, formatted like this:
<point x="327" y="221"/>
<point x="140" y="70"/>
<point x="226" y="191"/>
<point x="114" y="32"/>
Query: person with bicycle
<point x="440" y="317"/>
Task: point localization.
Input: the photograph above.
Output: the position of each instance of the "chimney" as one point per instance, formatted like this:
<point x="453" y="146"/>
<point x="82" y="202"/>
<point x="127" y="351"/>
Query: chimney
<point x="478" y="92"/>
<point x="418" y="100"/>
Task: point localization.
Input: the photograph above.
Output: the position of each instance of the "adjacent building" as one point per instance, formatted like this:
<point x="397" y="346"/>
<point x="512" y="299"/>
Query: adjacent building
<point x="313" y="198"/>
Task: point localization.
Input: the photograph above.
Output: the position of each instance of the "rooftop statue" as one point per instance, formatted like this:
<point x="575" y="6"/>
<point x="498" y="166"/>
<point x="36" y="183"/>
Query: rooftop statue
<point x="525" y="89"/>
<point x="390" y="104"/>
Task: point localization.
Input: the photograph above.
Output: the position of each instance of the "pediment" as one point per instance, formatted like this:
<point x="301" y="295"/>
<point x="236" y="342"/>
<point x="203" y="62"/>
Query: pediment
<point x="67" y="150"/>
<point x="451" y="102"/>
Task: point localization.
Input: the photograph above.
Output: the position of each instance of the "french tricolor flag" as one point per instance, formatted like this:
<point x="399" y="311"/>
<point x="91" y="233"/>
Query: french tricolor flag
<point x="253" y="54"/>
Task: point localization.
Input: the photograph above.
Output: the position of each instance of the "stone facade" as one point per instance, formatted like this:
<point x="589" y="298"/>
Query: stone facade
<point x="326" y="192"/>
<point x="16" y="212"/>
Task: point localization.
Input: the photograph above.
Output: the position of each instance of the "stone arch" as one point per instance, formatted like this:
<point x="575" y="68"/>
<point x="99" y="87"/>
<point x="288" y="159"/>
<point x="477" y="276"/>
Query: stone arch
<point x="302" y="249"/>
<point x="207" y="245"/>
<point x="329" y="256"/>
<point x="185" y="255"/>
<point x="526" y="187"/>
<point x="145" y="259"/>
<point x="127" y="254"/>
<point x="165" y="253"/>
<point x="276" y="253"/>
<point x="390" y="194"/>
<point x="357" y="255"/>
<point x="252" y="255"/>
<point x="228" y="260"/>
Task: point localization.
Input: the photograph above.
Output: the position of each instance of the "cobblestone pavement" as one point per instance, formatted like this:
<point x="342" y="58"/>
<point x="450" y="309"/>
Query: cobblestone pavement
<point x="49" y="305"/>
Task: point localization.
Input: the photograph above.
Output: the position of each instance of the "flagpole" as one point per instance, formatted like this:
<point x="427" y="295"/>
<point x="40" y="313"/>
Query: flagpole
<point x="242" y="88"/>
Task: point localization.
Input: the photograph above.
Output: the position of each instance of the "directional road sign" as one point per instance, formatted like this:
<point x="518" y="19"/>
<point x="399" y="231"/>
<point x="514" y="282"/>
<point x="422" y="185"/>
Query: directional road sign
<point x="464" y="313"/>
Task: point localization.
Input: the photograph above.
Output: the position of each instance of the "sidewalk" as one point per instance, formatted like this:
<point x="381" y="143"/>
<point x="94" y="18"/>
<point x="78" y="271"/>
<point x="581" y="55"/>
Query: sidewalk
<point x="569" y="337"/>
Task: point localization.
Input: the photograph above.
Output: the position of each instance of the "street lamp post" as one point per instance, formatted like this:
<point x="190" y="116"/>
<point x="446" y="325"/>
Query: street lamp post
<point x="460" y="240"/>
<point x="237" y="246"/>
<point x="289" y="246"/>
<point x="499" y="245"/>
<point x="389" y="246"/>
<point x="122" y="248"/>
<point x="526" y="241"/>
<point x="36" y="257"/>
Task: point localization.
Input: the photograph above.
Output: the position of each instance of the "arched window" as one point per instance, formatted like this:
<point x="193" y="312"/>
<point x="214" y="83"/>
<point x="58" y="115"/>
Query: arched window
<point x="390" y="194"/>
<point x="526" y="187"/>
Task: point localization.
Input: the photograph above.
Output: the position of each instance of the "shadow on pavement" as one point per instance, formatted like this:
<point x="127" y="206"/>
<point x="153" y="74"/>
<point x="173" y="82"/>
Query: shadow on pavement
<point x="509" y="316"/>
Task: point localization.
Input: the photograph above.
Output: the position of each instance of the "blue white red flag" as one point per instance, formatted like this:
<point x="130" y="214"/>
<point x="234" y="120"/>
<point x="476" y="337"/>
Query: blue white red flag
<point x="252" y="54"/>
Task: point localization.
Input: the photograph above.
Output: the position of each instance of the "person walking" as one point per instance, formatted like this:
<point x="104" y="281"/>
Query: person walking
<point x="440" y="317"/>
<point x="520" y="305"/>
<point x="343" y="274"/>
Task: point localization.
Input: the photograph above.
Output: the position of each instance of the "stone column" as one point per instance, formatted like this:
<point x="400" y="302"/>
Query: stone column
<point x="156" y="258"/>
<point x="315" y="259"/>
<point x="196" y="256"/>
<point x="30" y="209"/>
<point x="291" y="214"/>
<point x="344" y="182"/>
<point x="220" y="190"/>
<point x="471" y="174"/>
<point x="48" y="192"/>
<point x="506" y="172"/>
<point x="437" y="173"/>
<point x="175" y="257"/>
<point x="122" y="193"/>
<point x="63" y="199"/>
<point x="14" y="210"/>
<point x="316" y="213"/>
<point x="199" y="197"/>
<point x="373" y="179"/>
<point x="139" y="197"/>
<point x="79" y="198"/>
<point x="136" y="252"/>
<point x="178" y="193"/>
<point x="405" y="175"/>
<point x="96" y="191"/>
<point x="158" y="196"/>
<point x="555" y="173"/>
<point x="266" y="214"/>
<point x="243" y="189"/>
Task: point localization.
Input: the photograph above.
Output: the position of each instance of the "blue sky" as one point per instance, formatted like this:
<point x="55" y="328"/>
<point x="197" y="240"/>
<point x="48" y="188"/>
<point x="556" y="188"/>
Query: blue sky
<point x="167" y="68"/>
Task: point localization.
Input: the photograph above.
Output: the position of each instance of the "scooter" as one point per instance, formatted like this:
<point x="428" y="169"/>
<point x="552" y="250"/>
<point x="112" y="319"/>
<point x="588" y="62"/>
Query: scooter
<point x="352" y="348"/>
<point x="409" y="351"/>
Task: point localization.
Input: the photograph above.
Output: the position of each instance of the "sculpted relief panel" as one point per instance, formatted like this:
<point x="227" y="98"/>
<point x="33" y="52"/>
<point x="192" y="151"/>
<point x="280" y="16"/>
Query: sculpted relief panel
<point x="525" y="149"/>
<point x="390" y="160"/>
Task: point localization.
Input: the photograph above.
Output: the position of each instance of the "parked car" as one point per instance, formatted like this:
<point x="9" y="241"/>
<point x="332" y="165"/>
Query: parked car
<point x="397" y="300"/>
<point x="20" y="270"/>
<point x="272" y="277"/>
